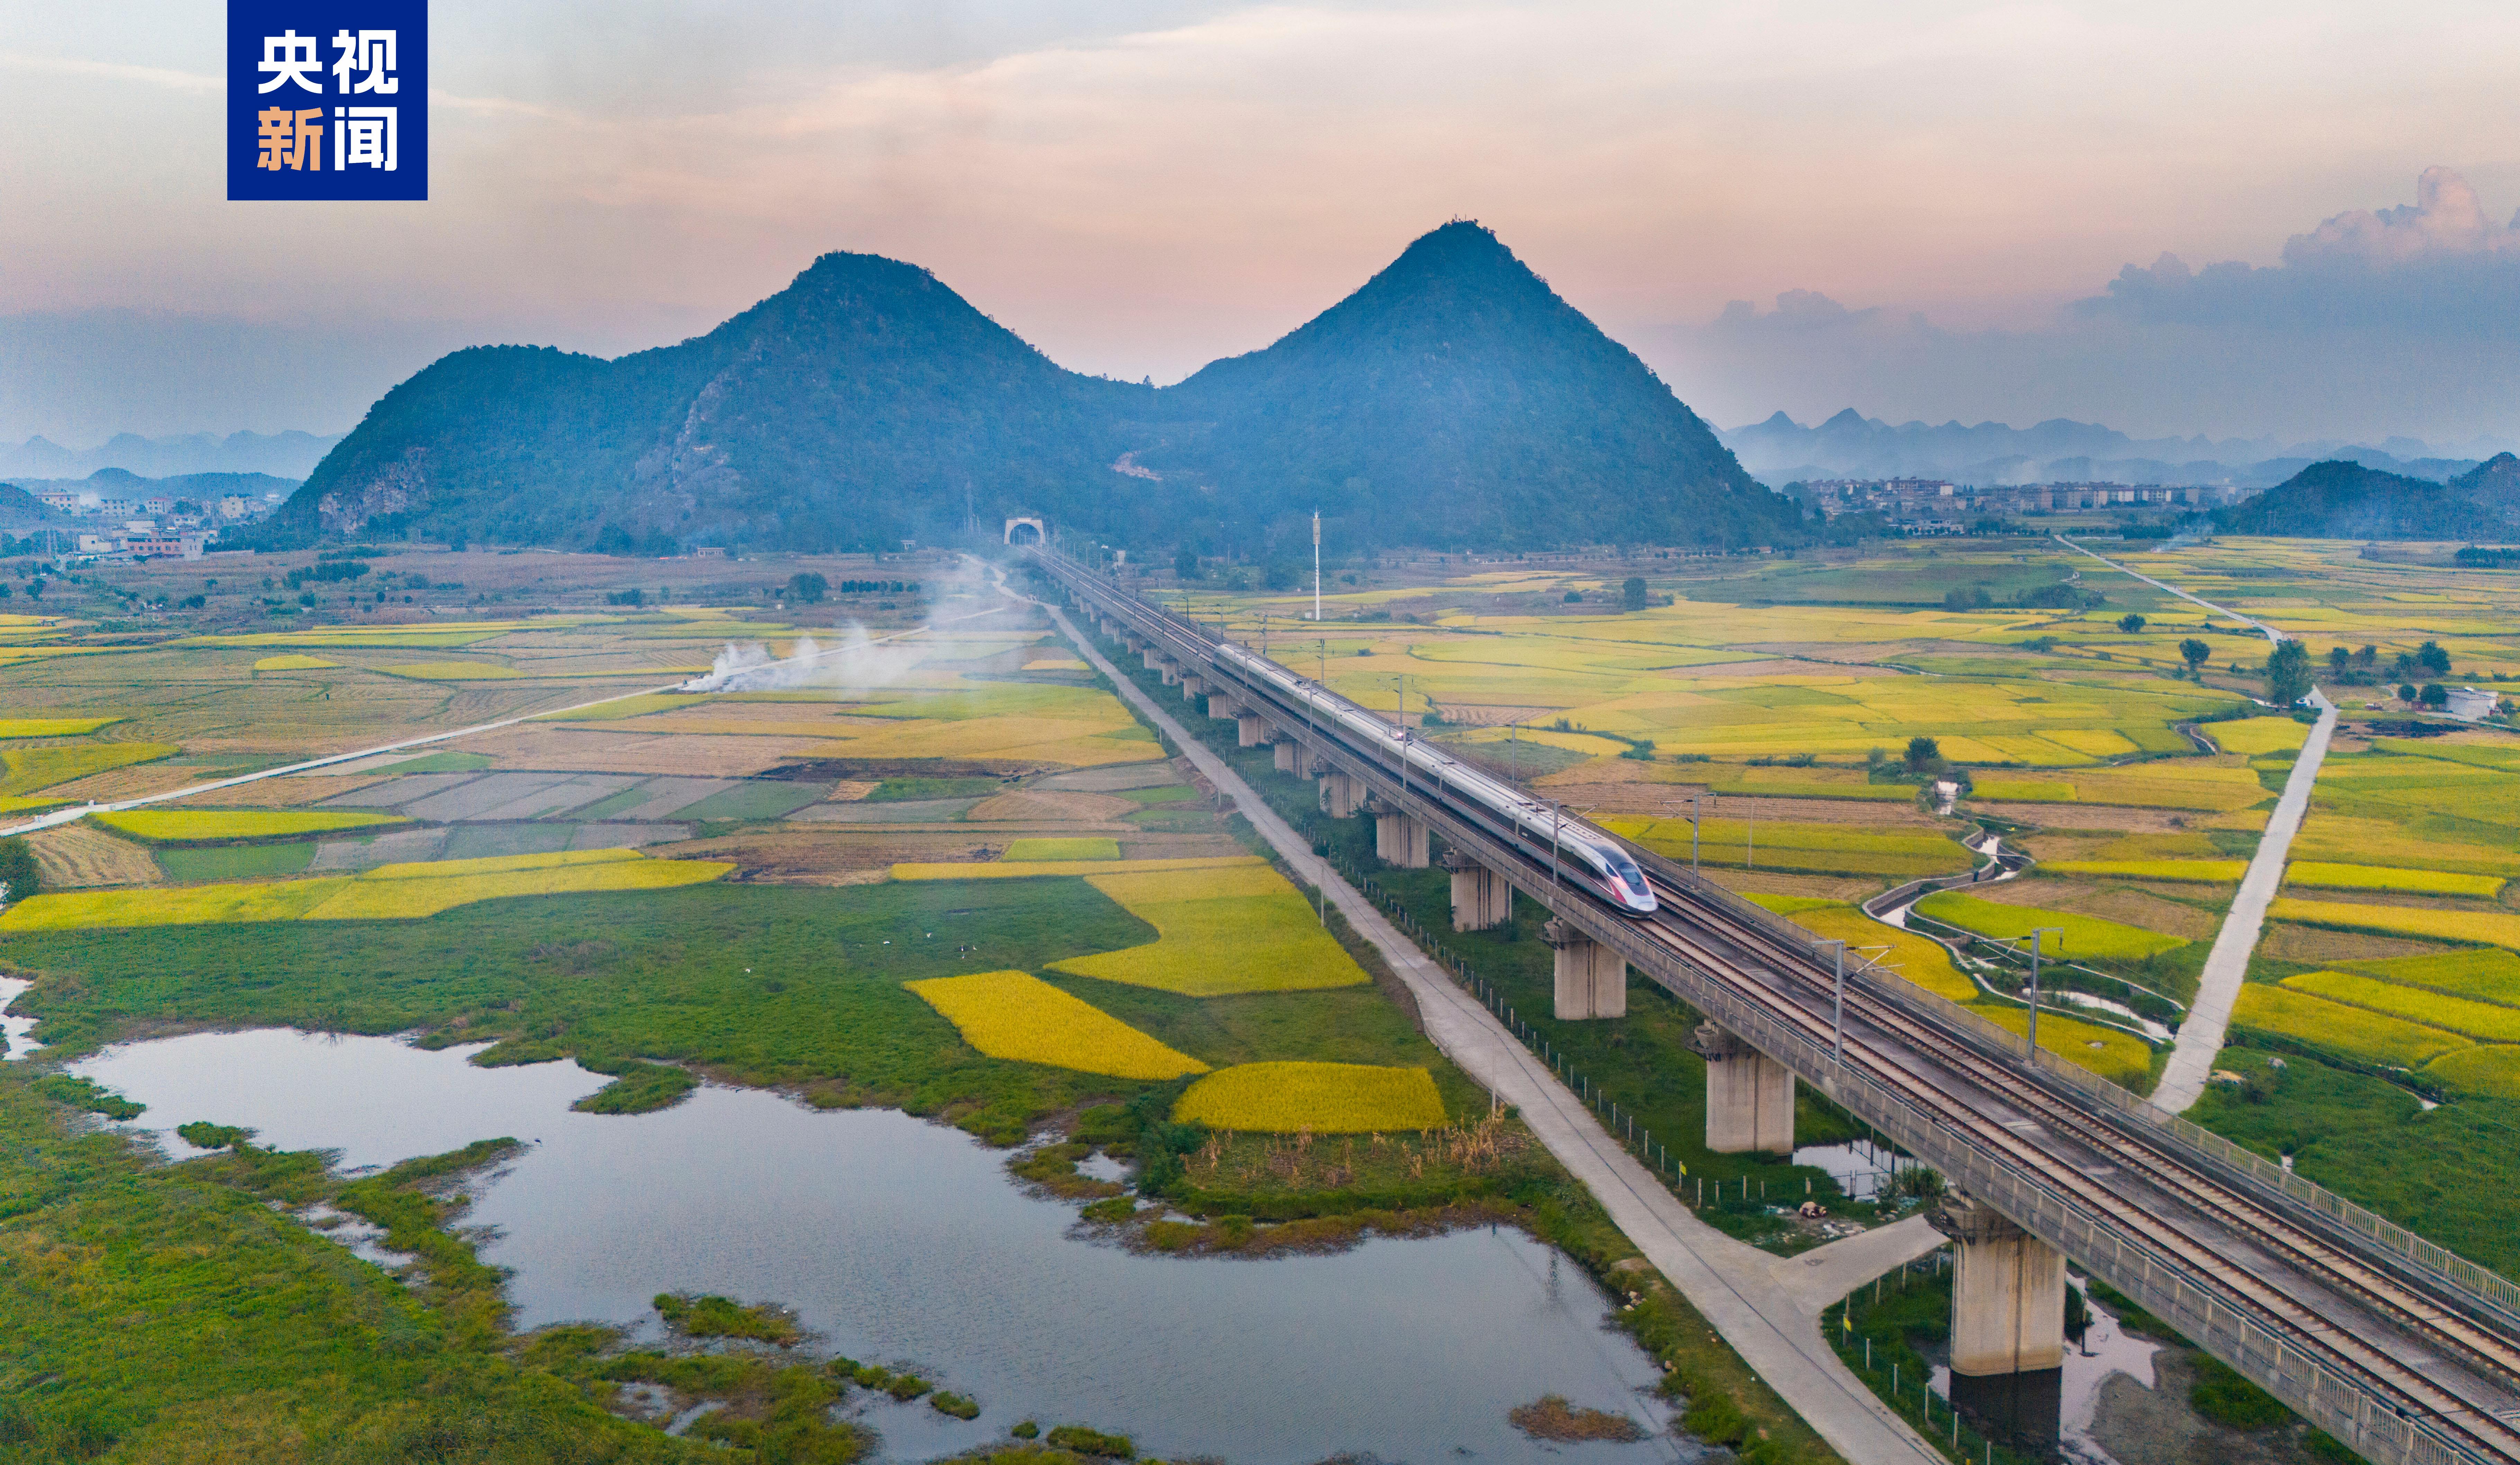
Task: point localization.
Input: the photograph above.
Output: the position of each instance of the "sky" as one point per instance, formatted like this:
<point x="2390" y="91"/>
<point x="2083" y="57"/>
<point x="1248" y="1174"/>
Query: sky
<point x="2244" y="220"/>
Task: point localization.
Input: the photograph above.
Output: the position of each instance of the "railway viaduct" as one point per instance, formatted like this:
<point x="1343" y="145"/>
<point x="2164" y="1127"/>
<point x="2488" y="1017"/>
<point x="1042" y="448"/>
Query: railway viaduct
<point x="2407" y="1353"/>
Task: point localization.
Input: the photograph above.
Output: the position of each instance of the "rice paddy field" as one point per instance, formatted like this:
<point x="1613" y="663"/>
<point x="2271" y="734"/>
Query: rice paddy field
<point x="2070" y="936"/>
<point x="1017" y="1016"/>
<point x="206" y="826"/>
<point x="1322" y="1098"/>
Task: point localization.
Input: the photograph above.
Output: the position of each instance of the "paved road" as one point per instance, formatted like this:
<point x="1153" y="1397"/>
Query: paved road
<point x="2227" y="966"/>
<point x="1767" y="1307"/>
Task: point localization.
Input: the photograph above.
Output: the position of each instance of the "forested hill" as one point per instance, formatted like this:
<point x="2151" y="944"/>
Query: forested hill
<point x="1457" y="397"/>
<point x="1455" y="400"/>
<point x="2343" y="500"/>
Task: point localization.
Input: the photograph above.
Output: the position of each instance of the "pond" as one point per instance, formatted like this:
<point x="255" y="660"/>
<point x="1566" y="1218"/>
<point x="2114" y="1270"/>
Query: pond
<point x="14" y="1039"/>
<point x="905" y="1242"/>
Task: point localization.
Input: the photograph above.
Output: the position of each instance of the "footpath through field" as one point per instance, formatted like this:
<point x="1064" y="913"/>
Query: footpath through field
<point x="1767" y="1307"/>
<point x="2209" y="1017"/>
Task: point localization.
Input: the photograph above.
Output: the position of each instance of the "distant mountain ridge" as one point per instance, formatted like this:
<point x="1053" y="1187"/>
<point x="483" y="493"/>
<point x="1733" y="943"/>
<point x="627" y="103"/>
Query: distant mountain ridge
<point x="2346" y="500"/>
<point x="291" y="455"/>
<point x="1850" y="445"/>
<point x="1454" y="400"/>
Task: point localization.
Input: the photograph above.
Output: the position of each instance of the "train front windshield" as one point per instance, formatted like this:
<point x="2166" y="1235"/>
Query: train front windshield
<point x="1626" y="869"/>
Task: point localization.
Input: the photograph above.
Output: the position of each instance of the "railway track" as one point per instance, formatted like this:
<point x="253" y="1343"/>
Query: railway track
<point x="2409" y="1310"/>
<point x="2395" y="1332"/>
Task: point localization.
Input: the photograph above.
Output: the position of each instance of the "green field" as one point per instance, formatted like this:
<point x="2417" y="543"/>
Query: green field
<point x="222" y="862"/>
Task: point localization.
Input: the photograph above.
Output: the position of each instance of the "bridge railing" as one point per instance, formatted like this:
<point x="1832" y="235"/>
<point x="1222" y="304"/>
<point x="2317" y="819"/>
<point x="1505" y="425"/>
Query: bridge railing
<point x="2169" y="1287"/>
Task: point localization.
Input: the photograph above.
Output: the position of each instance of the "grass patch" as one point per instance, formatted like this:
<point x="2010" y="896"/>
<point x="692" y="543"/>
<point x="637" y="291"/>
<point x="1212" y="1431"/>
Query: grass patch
<point x="216" y="824"/>
<point x="1019" y="1017"/>
<point x="754" y="798"/>
<point x="708" y="1315"/>
<point x="1241" y="929"/>
<point x="2495" y="928"/>
<point x="2385" y="878"/>
<point x="1325" y="1098"/>
<point x="2350" y="1031"/>
<point x="2081" y="938"/>
<point x="1090" y="847"/>
<point x="912" y="790"/>
<point x="236" y="862"/>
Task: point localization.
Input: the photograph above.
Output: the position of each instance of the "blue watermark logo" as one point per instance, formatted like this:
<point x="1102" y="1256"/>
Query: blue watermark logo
<point x="328" y="99"/>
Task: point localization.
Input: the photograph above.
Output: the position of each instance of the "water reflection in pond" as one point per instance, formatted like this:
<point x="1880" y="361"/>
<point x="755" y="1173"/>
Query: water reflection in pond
<point x="905" y="1242"/>
<point x="14" y="1039"/>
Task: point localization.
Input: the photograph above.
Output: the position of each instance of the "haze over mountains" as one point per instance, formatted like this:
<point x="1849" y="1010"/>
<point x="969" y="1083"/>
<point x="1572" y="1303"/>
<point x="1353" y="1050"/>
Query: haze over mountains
<point x="1452" y="400"/>
<point x="287" y="455"/>
<point x="1849" y="445"/>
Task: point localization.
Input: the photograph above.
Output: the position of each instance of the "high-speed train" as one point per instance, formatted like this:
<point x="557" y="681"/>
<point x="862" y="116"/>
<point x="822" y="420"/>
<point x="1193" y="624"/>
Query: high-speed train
<point x="1583" y="857"/>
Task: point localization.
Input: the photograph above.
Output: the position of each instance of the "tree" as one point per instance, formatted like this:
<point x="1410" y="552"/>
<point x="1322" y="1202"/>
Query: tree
<point x="20" y="876"/>
<point x="2339" y="659"/>
<point x="1632" y="593"/>
<point x="2288" y="673"/>
<point x="2405" y="691"/>
<point x="2195" y="653"/>
<point x="1924" y="755"/>
<point x="1186" y="565"/>
<point x="2433" y="658"/>
<point x="807" y="586"/>
<point x="2367" y="657"/>
<point x="2129" y="622"/>
<point x="2435" y="696"/>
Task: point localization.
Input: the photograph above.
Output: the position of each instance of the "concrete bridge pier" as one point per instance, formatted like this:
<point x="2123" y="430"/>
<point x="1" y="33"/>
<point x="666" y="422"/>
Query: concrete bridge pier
<point x="1191" y="687"/>
<point x="1481" y="898"/>
<point x="1592" y="979"/>
<point x="1749" y="1096"/>
<point x="1249" y="730"/>
<point x="1341" y="795"/>
<point x="1285" y="753"/>
<point x="1399" y="840"/>
<point x="1170" y="669"/>
<point x="2008" y="1323"/>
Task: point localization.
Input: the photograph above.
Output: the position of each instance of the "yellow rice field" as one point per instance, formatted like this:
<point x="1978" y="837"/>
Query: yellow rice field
<point x="2484" y="1020"/>
<point x="2074" y="937"/>
<point x="1830" y="849"/>
<point x="2374" y="1037"/>
<point x="1219" y="931"/>
<point x="388" y="892"/>
<point x="293" y="661"/>
<point x="2497" y="927"/>
<point x="1909" y="956"/>
<point x="2122" y="1058"/>
<point x="2484" y="975"/>
<point x="2255" y="735"/>
<point x="52" y="727"/>
<point x="192" y="826"/>
<point x="1325" y="1098"/>
<point x="452" y="671"/>
<point x="1017" y="1016"/>
<point x="26" y="770"/>
<point x="2492" y="1070"/>
<point x="2387" y="878"/>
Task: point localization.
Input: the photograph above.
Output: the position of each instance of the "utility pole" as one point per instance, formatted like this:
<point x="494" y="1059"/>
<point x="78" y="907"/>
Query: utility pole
<point x="1693" y="833"/>
<point x="2035" y="933"/>
<point x="1316" y="564"/>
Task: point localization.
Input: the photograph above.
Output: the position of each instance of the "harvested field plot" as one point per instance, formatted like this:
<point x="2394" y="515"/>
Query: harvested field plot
<point x="1016" y="1016"/>
<point x="1222" y="931"/>
<point x="75" y="856"/>
<point x="1325" y="1098"/>
<point x="396" y="792"/>
<point x="2082" y="937"/>
<point x="1054" y="805"/>
<point x="399" y="847"/>
<point x="2497" y="927"/>
<point x="2354" y="1031"/>
<point x="465" y="841"/>
<point x="204" y="826"/>
<point x="915" y="811"/>
<point x="657" y="798"/>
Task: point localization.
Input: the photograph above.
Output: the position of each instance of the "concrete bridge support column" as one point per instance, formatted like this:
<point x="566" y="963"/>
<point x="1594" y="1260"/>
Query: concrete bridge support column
<point x="2008" y="1323"/>
<point x="1341" y="795"/>
<point x="1481" y="898"/>
<point x="1224" y="708"/>
<point x="1749" y="1096"/>
<point x="1399" y="840"/>
<point x="1592" y="979"/>
<point x="1191" y="687"/>
<point x="1170" y="669"/>
<point x="1250" y="731"/>
<point x="1154" y="659"/>
<point x="1285" y="753"/>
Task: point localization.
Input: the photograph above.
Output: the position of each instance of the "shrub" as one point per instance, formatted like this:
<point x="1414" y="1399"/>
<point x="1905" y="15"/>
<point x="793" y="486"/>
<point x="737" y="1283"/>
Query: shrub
<point x="20" y="877"/>
<point x="2129" y="622"/>
<point x="807" y="586"/>
<point x="960" y="1406"/>
<point x="201" y="1134"/>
